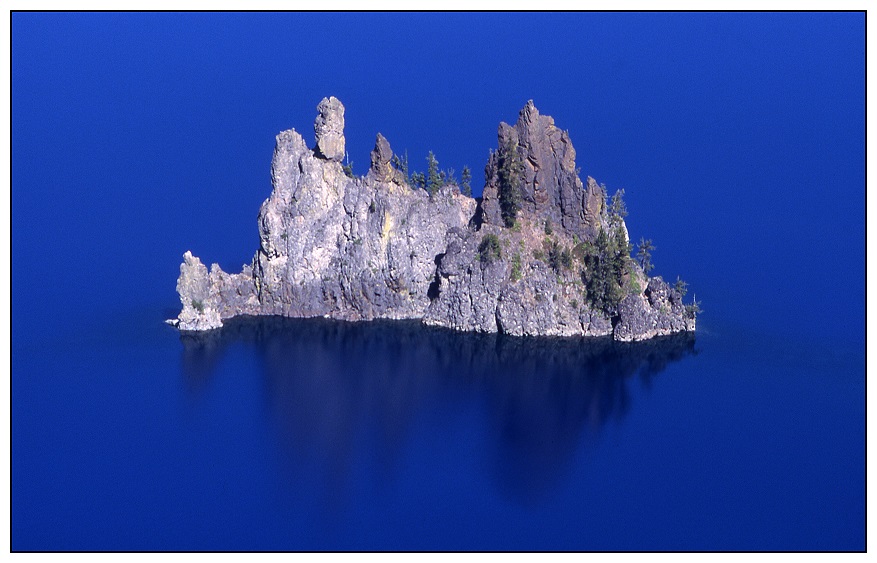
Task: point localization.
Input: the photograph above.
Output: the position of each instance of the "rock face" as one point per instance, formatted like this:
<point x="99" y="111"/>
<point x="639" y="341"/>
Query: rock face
<point x="354" y="249"/>
<point x="375" y="247"/>
<point x="472" y="294"/>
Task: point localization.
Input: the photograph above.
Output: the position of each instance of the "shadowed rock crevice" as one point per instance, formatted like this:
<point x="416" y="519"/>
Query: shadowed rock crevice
<point x="362" y="248"/>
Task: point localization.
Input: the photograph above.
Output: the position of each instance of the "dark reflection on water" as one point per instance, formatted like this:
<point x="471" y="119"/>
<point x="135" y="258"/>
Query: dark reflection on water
<point x="332" y="386"/>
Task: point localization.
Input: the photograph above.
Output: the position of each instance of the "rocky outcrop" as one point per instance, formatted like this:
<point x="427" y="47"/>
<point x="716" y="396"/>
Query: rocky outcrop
<point x="354" y="249"/>
<point x="552" y="189"/>
<point x="381" y="169"/>
<point x="656" y="312"/>
<point x="514" y="294"/>
<point x="209" y="297"/>
<point x="375" y="247"/>
<point x="521" y="293"/>
<point x="329" y="129"/>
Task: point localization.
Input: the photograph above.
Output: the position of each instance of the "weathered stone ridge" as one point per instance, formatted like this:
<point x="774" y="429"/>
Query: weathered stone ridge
<point x="361" y="248"/>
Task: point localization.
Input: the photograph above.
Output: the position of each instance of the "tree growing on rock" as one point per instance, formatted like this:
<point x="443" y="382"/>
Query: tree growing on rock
<point x="348" y="169"/>
<point x="401" y="164"/>
<point x="605" y="263"/>
<point x="489" y="250"/>
<point x="448" y="177"/>
<point x="418" y="180"/>
<point x="433" y="178"/>
<point x="559" y="257"/>
<point x="693" y="309"/>
<point x="466" y="181"/>
<point x="511" y="180"/>
<point x="645" y="254"/>
<point x="617" y="208"/>
<point x="681" y="286"/>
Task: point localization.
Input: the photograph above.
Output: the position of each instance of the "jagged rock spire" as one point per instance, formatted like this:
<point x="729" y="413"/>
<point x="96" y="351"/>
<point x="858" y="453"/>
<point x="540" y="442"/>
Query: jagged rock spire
<point x="381" y="155"/>
<point x="329" y="129"/>
<point x="551" y="187"/>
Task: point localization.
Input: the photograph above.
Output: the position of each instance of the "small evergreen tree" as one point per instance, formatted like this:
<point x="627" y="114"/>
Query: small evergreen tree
<point x="552" y="251"/>
<point x="433" y="178"/>
<point x="617" y="208"/>
<point x="559" y="257"/>
<point x="516" y="267"/>
<point x="645" y="254"/>
<point x="681" y="286"/>
<point x="511" y="180"/>
<point x="566" y="258"/>
<point x="489" y="250"/>
<point x="693" y="309"/>
<point x="418" y="180"/>
<point x="449" y="176"/>
<point x="466" y="181"/>
<point x="401" y="164"/>
<point x="619" y="239"/>
<point x="348" y="169"/>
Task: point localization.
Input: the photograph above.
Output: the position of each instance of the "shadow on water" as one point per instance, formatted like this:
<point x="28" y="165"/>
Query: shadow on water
<point x="333" y="386"/>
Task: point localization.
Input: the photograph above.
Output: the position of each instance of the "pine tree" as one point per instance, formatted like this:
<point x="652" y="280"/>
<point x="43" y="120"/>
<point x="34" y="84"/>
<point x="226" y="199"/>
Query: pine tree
<point x="466" y="181"/>
<point x="511" y="179"/>
<point x="401" y="164"/>
<point x="681" y="286"/>
<point x="617" y="208"/>
<point x="645" y="254"/>
<point x="620" y="242"/>
<point x="418" y="180"/>
<point x="449" y="176"/>
<point x="433" y="178"/>
<point x="490" y="249"/>
<point x="693" y="309"/>
<point x="605" y="263"/>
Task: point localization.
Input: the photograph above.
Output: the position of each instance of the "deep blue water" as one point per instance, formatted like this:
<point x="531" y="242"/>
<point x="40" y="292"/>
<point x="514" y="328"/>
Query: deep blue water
<point x="739" y="139"/>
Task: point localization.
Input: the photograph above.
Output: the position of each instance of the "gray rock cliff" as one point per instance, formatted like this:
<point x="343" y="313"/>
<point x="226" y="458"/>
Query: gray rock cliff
<point x="376" y="247"/>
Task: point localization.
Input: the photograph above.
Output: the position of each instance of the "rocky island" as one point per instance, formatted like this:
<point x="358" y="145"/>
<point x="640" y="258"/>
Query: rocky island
<point x="542" y="253"/>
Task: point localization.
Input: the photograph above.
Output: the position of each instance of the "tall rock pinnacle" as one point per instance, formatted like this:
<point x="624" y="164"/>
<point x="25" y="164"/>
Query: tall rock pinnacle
<point x="329" y="129"/>
<point x="551" y="187"/>
<point x="381" y="155"/>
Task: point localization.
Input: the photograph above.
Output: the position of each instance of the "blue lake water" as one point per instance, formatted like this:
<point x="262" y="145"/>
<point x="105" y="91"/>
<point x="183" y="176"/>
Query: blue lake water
<point x="281" y="434"/>
<point x="739" y="139"/>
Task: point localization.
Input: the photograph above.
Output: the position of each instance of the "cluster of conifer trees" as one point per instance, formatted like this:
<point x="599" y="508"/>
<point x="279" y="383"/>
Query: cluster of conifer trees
<point x="434" y="178"/>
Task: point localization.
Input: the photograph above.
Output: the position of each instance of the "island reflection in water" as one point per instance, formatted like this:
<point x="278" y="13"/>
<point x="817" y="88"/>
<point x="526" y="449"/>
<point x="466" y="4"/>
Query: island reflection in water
<point x="332" y="386"/>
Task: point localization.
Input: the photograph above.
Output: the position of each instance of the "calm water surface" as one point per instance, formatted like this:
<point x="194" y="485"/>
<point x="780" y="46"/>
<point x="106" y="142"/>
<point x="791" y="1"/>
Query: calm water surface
<point x="739" y="139"/>
<point x="281" y="434"/>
